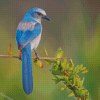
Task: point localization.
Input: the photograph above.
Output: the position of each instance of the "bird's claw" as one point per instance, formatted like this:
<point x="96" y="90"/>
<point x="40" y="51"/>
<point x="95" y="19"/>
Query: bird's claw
<point x="20" y="58"/>
<point x="20" y="55"/>
<point x="37" y="57"/>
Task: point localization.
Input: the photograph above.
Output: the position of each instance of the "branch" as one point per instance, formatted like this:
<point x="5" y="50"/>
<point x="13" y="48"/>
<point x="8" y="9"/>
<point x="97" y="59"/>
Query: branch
<point x="41" y="58"/>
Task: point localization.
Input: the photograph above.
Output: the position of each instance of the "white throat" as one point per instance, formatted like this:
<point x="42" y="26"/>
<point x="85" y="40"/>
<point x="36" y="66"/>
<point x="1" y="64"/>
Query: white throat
<point x="38" y="20"/>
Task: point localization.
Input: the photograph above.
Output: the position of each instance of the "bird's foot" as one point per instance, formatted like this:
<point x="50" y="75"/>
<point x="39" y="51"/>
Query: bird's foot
<point x="37" y="55"/>
<point x="20" y="55"/>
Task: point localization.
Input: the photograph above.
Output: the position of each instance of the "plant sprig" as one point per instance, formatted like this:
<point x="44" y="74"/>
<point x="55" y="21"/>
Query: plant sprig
<point x="68" y="74"/>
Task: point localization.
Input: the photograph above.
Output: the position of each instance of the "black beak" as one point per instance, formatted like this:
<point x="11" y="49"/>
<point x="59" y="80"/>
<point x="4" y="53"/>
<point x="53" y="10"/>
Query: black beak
<point x="46" y="17"/>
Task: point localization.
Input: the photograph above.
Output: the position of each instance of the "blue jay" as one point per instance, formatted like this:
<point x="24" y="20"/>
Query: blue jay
<point x="28" y="36"/>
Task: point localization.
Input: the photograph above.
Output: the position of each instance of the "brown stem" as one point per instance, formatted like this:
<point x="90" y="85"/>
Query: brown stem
<point x="41" y="58"/>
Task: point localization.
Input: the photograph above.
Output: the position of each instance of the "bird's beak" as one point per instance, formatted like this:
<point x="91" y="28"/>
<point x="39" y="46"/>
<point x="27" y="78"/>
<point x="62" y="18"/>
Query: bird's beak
<point x="46" y="17"/>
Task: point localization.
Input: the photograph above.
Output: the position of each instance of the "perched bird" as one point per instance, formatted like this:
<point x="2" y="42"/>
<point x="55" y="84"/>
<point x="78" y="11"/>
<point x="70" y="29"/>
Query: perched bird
<point x="28" y="36"/>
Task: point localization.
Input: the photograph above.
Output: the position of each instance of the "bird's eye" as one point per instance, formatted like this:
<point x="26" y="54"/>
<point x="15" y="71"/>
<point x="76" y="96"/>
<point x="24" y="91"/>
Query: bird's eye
<point x="39" y="13"/>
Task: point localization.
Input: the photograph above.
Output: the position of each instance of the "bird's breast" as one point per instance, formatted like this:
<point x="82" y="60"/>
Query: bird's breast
<point x="35" y="42"/>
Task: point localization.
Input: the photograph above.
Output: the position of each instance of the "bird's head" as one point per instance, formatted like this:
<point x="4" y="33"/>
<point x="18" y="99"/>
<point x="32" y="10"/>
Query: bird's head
<point x="37" y="14"/>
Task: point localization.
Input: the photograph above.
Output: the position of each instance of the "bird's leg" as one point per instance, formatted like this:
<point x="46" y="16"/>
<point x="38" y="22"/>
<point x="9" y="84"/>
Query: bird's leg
<point x="20" y="55"/>
<point x="36" y="54"/>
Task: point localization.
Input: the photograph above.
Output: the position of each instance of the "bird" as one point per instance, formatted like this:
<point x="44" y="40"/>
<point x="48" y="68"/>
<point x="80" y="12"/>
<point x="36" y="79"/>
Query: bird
<point x="28" y="36"/>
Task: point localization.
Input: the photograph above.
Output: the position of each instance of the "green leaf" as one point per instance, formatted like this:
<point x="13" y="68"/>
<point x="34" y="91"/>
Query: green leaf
<point x="58" y="62"/>
<point x="83" y="68"/>
<point x="69" y="82"/>
<point x="56" y="80"/>
<point x="71" y="63"/>
<point x="79" y="99"/>
<point x="63" y="65"/>
<point x="38" y="63"/>
<point x="72" y="94"/>
<point x="48" y="61"/>
<point x="65" y="78"/>
<point x="67" y="67"/>
<point x="56" y="68"/>
<point x="59" y="53"/>
<point x="81" y="83"/>
<point x="87" y="96"/>
<point x="74" y="81"/>
<point x="84" y="71"/>
<point x="63" y="88"/>
<point x="45" y="51"/>
<point x="77" y="80"/>
<point x="77" y="68"/>
<point x="71" y="77"/>
<point x="78" y="93"/>
<point x="80" y="67"/>
<point x="57" y="72"/>
<point x="84" y="90"/>
<point x="83" y="79"/>
<point x="74" y="72"/>
<point x="61" y="77"/>
<point x="54" y="64"/>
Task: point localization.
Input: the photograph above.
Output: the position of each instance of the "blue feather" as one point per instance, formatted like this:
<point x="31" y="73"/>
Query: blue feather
<point x="24" y="37"/>
<point x="27" y="77"/>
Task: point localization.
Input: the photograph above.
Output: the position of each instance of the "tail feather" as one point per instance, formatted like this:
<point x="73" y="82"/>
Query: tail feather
<point x="27" y="77"/>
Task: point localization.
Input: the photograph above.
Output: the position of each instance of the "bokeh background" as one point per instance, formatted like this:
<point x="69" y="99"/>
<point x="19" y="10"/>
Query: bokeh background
<point x="75" y="27"/>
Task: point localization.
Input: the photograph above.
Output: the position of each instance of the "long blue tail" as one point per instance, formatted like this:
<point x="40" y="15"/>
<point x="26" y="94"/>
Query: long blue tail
<point x="27" y="77"/>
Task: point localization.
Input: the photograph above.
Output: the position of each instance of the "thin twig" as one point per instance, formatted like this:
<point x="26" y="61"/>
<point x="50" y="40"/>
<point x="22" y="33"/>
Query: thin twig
<point x="41" y="58"/>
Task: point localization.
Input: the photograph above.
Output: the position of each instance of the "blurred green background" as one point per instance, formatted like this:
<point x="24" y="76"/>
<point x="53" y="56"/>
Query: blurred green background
<point x="75" y="27"/>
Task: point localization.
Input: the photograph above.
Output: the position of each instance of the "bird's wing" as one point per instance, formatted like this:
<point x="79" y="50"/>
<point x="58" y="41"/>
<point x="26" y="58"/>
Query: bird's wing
<point x="26" y="32"/>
